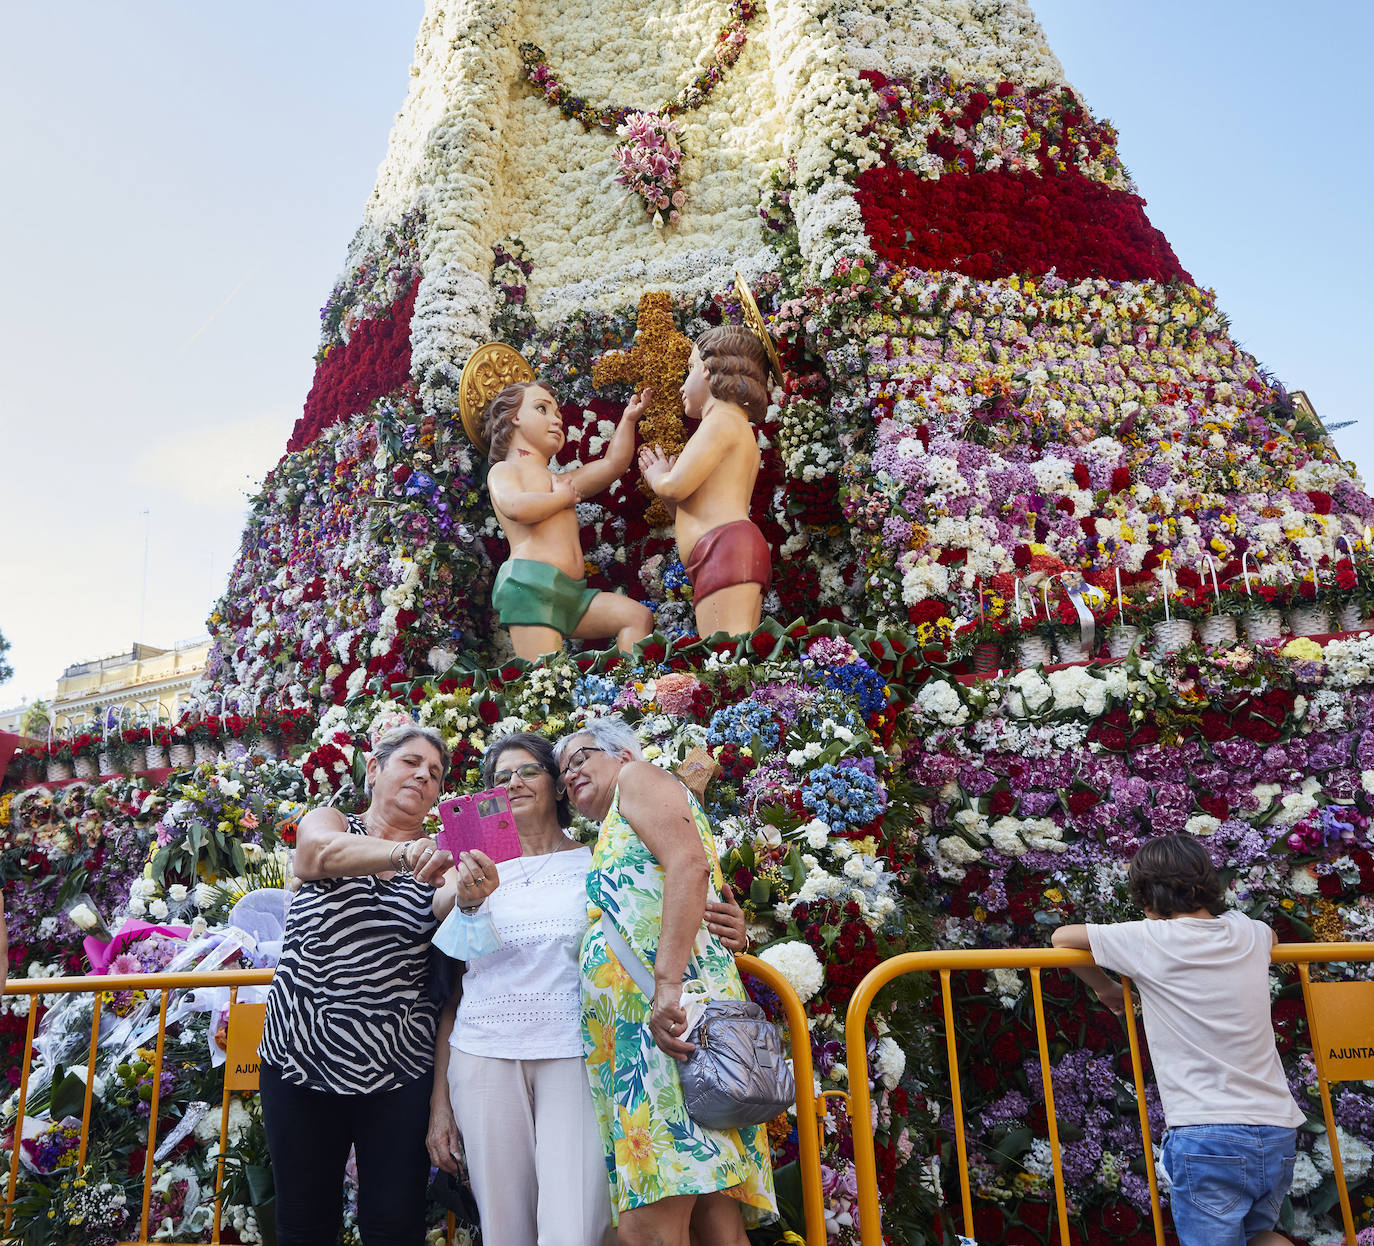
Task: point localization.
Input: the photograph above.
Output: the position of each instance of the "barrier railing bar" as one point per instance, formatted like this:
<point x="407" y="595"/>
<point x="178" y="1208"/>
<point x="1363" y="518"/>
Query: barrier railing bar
<point x="808" y="1117"/>
<point x="957" y="1101"/>
<point x="224" y="1137"/>
<point x="1138" y="1073"/>
<point x="870" y="1230"/>
<point x="96" y="1001"/>
<point x="19" y="1117"/>
<point x="153" y="1110"/>
<point x="1324" y="1087"/>
<point x="1043" y="1042"/>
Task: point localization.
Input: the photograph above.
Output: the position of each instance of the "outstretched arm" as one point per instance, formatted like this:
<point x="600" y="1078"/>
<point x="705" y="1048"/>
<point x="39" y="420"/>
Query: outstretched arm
<point x="1103" y="987"/>
<point x="601" y="473"/>
<point x="529" y="506"/>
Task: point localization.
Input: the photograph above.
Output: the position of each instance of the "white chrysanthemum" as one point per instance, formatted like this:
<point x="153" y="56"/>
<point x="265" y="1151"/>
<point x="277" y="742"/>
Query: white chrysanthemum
<point x="1202" y="824"/>
<point x="798" y="963"/>
<point x="1306" y="1176"/>
<point x="889" y="1063"/>
<point x="1355" y="1155"/>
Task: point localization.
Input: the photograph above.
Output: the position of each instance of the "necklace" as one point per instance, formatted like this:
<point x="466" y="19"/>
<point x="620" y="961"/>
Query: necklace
<point x="649" y="156"/>
<point x="531" y="875"/>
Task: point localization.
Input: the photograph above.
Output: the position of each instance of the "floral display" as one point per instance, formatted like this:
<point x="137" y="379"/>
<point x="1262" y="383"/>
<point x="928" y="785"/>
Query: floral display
<point x="1010" y="428"/>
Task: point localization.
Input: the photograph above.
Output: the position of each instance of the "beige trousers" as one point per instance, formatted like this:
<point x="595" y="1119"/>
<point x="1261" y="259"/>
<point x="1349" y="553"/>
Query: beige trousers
<point x="533" y="1150"/>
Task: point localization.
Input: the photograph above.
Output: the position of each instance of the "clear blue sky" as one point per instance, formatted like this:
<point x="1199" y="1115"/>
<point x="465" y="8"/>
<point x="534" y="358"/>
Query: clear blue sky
<point x="182" y="180"/>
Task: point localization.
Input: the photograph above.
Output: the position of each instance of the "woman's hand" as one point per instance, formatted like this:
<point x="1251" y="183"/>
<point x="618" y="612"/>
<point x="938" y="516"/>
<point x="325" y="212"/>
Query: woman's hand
<point x="667" y="1021"/>
<point x="477" y="878"/>
<point x="442" y="1139"/>
<point x="427" y="861"/>
<point x="725" y="920"/>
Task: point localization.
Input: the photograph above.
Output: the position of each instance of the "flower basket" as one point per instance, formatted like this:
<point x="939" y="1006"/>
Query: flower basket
<point x="265" y="744"/>
<point x="987" y="660"/>
<point x="155" y="757"/>
<point x="1218" y="630"/>
<point x="181" y="754"/>
<point x="105" y="762"/>
<point x="1309" y="620"/>
<point x="84" y="767"/>
<point x="1171" y="635"/>
<point x="1121" y="639"/>
<point x="1352" y="618"/>
<point x="1071" y="649"/>
<point x="1263" y="624"/>
<point x="59" y="770"/>
<point x="1033" y="650"/>
<point x="207" y="750"/>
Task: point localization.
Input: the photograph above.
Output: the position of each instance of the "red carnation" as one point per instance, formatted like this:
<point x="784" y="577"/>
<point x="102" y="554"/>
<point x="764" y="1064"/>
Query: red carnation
<point x="1121" y="479"/>
<point x="1080" y="475"/>
<point x="1321" y="502"/>
<point x="489" y="712"/>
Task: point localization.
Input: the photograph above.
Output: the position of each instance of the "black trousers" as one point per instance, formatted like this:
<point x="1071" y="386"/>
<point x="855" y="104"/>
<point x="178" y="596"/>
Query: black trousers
<point x="309" y="1133"/>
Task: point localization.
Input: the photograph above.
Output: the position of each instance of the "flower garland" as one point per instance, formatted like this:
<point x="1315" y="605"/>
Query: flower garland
<point x="649" y="156"/>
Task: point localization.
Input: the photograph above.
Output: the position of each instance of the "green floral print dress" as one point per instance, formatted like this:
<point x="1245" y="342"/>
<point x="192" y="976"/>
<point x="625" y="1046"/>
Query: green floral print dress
<point x="653" y="1147"/>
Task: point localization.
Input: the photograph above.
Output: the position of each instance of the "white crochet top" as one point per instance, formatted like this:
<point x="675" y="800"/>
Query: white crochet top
<point x="524" y="1000"/>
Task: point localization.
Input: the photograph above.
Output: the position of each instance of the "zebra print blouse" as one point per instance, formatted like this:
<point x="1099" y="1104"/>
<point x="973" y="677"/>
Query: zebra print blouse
<point x="348" y="1010"/>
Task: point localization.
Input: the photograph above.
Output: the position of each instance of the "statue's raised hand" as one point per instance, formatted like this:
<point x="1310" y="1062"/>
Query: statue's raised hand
<point x="654" y="465"/>
<point x="637" y="405"/>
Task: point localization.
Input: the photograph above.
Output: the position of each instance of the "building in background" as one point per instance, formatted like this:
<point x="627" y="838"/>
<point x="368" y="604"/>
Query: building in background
<point x="144" y="678"/>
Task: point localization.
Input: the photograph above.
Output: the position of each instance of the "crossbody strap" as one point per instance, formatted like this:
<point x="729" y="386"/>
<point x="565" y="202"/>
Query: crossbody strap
<point x="627" y="956"/>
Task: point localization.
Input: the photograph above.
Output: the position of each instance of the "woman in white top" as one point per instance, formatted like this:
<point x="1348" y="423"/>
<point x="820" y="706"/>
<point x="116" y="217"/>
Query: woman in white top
<point x="509" y="1070"/>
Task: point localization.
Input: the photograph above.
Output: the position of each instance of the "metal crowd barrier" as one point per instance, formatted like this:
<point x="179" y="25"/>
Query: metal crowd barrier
<point x="246" y="1023"/>
<point x="1340" y="1020"/>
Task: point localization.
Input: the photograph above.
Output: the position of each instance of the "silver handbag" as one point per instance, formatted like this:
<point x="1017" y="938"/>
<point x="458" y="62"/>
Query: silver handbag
<point x="738" y="1075"/>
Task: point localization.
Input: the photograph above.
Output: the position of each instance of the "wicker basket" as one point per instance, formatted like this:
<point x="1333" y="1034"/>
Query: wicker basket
<point x="1170" y="635"/>
<point x="1033" y="651"/>
<point x="1071" y="649"/>
<point x="987" y="660"/>
<point x="84" y="767"/>
<point x="1218" y="630"/>
<point x="59" y="771"/>
<point x="269" y="746"/>
<point x="1352" y="619"/>
<point x="105" y="762"/>
<point x="1121" y="638"/>
<point x="155" y="757"/>
<point x="1263" y="624"/>
<point x="181" y="754"/>
<point x="207" y="750"/>
<point x="1309" y="621"/>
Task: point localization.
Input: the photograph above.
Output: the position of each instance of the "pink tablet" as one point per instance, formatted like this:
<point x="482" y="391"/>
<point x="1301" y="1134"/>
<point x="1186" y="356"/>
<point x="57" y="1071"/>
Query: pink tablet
<point x="483" y="821"/>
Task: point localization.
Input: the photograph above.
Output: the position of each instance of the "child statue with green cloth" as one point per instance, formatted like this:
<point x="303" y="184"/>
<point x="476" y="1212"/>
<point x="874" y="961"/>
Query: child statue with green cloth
<point x="541" y="593"/>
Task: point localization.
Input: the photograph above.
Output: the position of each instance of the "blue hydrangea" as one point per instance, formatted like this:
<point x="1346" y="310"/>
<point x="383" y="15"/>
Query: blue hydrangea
<point x="844" y="797"/>
<point x="595" y="690"/>
<point x="738" y="724"/>
<point x="858" y="680"/>
<point x="675" y="576"/>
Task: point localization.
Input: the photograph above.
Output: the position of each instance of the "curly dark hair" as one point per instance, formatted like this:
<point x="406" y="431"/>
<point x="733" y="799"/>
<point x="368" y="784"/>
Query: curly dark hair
<point x="541" y="750"/>
<point x="1173" y="874"/>
<point x="497" y="426"/>
<point x="738" y="365"/>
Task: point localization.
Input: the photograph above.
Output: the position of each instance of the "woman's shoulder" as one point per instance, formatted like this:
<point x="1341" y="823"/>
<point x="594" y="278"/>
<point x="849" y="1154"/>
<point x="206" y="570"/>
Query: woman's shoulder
<point x="327" y="818"/>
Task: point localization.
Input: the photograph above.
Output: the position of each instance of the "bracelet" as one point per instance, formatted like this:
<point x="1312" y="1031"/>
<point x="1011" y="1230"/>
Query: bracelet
<point x="404" y="866"/>
<point x="469" y="909"/>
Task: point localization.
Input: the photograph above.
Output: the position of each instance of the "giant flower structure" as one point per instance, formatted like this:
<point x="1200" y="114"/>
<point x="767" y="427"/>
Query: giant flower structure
<point x="997" y="376"/>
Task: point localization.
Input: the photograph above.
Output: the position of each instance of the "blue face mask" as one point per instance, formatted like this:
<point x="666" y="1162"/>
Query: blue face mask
<point x="465" y="936"/>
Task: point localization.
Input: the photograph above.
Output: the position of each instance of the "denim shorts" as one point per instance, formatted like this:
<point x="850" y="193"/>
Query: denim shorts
<point x="1227" y="1182"/>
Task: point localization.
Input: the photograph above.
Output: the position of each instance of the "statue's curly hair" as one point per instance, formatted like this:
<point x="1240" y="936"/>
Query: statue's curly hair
<point x="497" y="419"/>
<point x="738" y="365"/>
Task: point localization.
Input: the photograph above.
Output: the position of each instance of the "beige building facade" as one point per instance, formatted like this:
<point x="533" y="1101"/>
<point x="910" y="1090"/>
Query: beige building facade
<point x="143" y="680"/>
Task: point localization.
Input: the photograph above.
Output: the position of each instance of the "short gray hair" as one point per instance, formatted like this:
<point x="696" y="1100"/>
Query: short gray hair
<point x="398" y="737"/>
<point x="612" y="733"/>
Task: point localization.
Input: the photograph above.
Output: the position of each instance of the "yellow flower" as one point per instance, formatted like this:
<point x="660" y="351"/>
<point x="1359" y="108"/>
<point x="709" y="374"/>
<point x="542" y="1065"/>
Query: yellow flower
<point x="603" y="1042"/>
<point x="1304" y="649"/>
<point x="1054" y="895"/>
<point x="635" y="1151"/>
<point x="609" y="976"/>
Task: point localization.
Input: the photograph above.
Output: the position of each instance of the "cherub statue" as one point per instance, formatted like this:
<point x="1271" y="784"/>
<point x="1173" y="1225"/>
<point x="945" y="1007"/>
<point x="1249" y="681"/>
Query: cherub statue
<point x="541" y="593"/>
<point x="709" y="485"/>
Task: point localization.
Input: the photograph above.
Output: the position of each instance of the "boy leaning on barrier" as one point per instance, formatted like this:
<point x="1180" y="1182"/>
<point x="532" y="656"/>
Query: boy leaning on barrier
<point x="1202" y="972"/>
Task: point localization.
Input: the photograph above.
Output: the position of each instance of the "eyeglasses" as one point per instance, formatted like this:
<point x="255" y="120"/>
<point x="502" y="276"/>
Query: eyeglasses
<point x="530" y="771"/>
<point x="578" y="759"/>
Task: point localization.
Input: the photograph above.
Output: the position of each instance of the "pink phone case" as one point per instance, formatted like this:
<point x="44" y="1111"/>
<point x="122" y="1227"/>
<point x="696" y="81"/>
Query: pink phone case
<point x="483" y="821"/>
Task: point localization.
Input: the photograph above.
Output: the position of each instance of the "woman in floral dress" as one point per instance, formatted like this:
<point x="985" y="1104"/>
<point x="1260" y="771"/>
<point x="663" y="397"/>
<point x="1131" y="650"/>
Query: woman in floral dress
<point x="653" y="869"/>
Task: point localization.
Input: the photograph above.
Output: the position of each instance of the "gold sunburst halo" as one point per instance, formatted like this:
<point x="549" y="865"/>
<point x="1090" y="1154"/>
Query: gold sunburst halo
<point x="753" y="318"/>
<point x="487" y="372"/>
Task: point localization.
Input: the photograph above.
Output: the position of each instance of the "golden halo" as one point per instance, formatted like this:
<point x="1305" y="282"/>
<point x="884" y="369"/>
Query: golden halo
<point x="490" y="369"/>
<point x="754" y="319"/>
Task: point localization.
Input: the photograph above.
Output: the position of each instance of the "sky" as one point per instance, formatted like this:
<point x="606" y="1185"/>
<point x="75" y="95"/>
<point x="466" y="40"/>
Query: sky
<point x="182" y="181"/>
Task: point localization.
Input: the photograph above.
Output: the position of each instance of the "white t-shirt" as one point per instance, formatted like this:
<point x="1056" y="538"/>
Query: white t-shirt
<point x="524" y="1000"/>
<point x="1204" y="990"/>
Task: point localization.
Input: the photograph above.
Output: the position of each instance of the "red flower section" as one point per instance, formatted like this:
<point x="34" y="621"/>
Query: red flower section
<point x="373" y="362"/>
<point x="1001" y="224"/>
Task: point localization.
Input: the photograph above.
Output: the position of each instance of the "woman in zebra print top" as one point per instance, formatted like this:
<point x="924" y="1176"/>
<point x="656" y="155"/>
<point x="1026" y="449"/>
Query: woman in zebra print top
<point x="347" y="1053"/>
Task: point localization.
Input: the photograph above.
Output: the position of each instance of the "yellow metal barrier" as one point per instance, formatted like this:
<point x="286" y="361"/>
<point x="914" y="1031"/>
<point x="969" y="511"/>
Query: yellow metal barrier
<point x="808" y="1109"/>
<point x="1034" y="960"/>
